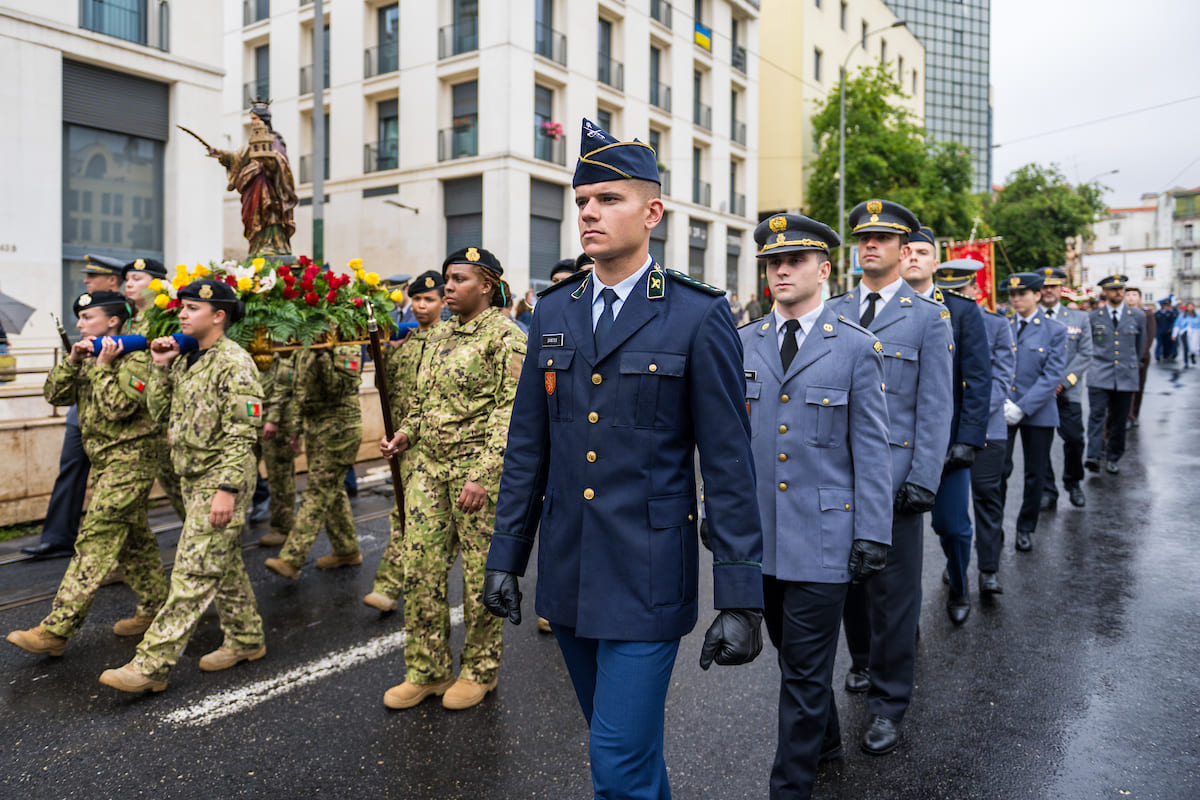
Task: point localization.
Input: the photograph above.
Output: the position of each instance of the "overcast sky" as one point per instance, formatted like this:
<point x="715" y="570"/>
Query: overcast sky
<point x="1062" y="62"/>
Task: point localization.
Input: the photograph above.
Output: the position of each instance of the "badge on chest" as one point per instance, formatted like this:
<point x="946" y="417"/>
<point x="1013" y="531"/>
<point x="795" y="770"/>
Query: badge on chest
<point x="551" y="382"/>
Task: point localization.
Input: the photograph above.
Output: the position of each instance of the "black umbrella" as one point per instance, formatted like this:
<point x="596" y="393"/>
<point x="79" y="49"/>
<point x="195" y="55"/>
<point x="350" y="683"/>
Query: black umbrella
<point x="13" y="313"/>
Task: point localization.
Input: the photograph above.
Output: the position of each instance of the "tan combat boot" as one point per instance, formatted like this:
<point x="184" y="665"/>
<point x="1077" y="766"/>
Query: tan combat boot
<point x="224" y="658"/>
<point x="134" y="626"/>
<point x="39" y="641"/>
<point x="380" y="601"/>
<point x="333" y="561"/>
<point x="466" y="693"/>
<point x="408" y="694"/>
<point x="272" y="539"/>
<point x="128" y="679"/>
<point x="281" y="567"/>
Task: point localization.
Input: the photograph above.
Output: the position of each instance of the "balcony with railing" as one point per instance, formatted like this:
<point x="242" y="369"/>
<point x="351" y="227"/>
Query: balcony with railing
<point x="137" y="21"/>
<point x="702" y="115"/>
<point x="306" y="78"/>
<point x="610" y="71"/>
<point x="255" y="89"/>
<point x="379" y="156"/>
<point x="255" y="11"/>
<point x="549" y="43"/>
<point x="381" y="59"/>
<point x="660" y="11"/>
<point x="701" y="193"/>
<point x="660" y="96"/>
<point x="739" y="58"/>
<point x="737" y="204"/>
<point x="306" y="168"/>
<point x="547" y="147"/>
<point x="461" y="140"/>
<point x="460" y="37"/>
<point x="737" y="132"/>
<point x="1187" y="243"/>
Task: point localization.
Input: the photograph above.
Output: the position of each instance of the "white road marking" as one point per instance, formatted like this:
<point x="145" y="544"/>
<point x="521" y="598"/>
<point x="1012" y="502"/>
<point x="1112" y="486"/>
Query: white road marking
<point x="243" y="698"/>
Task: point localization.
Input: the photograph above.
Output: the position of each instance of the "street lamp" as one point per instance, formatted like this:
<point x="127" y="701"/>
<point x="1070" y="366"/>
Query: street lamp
<point x="900" y="23"/>
<point x="1101" y="175"/>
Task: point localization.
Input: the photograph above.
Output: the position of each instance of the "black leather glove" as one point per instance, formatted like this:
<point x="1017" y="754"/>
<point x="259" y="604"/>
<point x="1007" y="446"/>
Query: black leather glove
<point x="704" y="535"/>
<point x="913" y="499"/>
<point x="866" y="558"/>
<point x="961" y="456"/>
<point x="502" y="595"/>
<point x="735" y="637"/>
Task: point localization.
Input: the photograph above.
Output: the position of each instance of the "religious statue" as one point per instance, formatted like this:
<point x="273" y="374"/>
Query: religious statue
<point x="262" y="175"/>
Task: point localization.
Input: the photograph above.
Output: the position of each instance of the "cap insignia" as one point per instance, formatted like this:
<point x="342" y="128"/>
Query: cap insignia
<point x="777" y="224"/>
<point x="472" y="254"/>
<point x="1014" y="282"/>
<point x="429" y="282"/>
<point x="874" y="207"/>
<point x="139" y="264"/>
<point x="205" y="292"/>
<point x="85" y="299"/>
<point x="874" y="218"/>
<point x="781" y="238"/>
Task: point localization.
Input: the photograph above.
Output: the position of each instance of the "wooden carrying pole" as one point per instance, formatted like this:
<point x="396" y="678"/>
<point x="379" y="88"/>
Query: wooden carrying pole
<point x="385" y="406"/>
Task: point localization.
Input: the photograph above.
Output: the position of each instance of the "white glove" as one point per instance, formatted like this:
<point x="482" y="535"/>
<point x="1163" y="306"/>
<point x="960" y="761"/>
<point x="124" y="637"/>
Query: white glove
<point x="1012" y="412"/>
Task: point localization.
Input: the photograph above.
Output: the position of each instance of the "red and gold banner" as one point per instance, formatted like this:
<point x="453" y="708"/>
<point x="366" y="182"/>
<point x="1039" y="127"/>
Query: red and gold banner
<point x="981" y="250"/>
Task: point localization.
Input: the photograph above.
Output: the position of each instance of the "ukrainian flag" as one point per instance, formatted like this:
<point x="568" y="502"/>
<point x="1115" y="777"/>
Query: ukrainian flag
<point x="704" y="37"/>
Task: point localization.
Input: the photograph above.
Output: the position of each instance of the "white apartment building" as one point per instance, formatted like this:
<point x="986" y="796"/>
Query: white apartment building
<point x="443" y="118"/>
<point x="92" y="160"/>
<point x="1135" y="241"/>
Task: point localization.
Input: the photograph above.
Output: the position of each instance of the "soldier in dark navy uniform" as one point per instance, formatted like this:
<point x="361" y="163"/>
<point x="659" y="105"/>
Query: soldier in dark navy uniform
<point x="631" y="368"/>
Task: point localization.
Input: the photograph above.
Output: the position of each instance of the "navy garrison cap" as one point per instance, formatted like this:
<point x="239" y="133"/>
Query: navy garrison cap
<point x="151" y="266"/>
<point x="1114" y="282"/>
<point x="475" y="257"/>
<point x="102" y="265"/>
<point x="1052" y="276"/>
<point x="922" y="234"/>
<point x="882" y="216"/>
<point x="429" y="281"/>
<point x="790" y="233"/>
<point x="603" y="158"/>
<point x="113" y="303"/>
<point x="1022" y="280"/>
<point x="956" y="273"/>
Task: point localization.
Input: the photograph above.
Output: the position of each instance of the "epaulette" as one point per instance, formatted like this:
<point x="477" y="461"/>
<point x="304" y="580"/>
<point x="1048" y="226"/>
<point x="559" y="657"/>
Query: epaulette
<point x="836" y="296"/>
<point x="572" y="278"/>
<point x="752" y="322"/>
<point x="688" y="280"/>
<point x="956" y="294"/>
<point x="929" y="300"/>
<point x="852" y="324"/>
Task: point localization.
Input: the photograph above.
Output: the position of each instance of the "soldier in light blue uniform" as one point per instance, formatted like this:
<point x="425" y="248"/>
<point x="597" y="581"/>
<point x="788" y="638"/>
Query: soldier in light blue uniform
<point x="818" y="426"/>
<point x="881" y="615"/>
<point x="631" y="369"/>
<point x="1031" y="408"/>
<point x="1118" y="340"/>
<point x="1070" y="389"/>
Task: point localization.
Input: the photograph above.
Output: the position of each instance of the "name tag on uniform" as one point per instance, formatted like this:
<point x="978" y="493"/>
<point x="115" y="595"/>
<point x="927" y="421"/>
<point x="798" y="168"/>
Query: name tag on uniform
<point x="1073" y="330"/>
<point x="751" y="375"/>
<point x="552" y="340"/>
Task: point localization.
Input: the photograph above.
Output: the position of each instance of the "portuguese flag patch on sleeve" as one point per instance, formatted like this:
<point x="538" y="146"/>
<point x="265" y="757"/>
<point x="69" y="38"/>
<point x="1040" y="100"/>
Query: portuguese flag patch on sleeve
<point x="350" y="364"/>
<point x="137" y="384"/>
<point x="253" y="409"/>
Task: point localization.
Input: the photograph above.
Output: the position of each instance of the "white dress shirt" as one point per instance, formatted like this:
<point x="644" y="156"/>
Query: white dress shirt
<point x="885" y="294"/>
<point x="806" y="323"/>
<point x="622" y="289"/>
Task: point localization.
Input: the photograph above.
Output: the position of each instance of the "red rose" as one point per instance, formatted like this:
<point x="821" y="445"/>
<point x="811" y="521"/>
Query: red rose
<point x="304" y="261"/>
<point x="283" y="272"/>
<point x="358" y="302"/>
<point x="289" y="281"/>
<point x="306" y="284"/>
<point x="232" y="281"/>
<point x="311" y="299"/>
<point x="290" y="294"/>
<point x="311" y="272"/>
<point x="332" y="296"/>
<point x="172" y="304"/>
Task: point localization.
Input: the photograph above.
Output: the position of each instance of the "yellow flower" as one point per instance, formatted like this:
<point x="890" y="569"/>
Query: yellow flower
<point x="161" y="301"/>
<point x="371" y="278"/>
<point x="156" y="285"/>
<point x="355" y="264"/>
<point x="180" y="281"/>
<point x="397" y="296"/>
<point x="202" y="271"/>
<point x="245" y="284"/>
<point x="258" y="263"/>
<point x="181" y="269"/>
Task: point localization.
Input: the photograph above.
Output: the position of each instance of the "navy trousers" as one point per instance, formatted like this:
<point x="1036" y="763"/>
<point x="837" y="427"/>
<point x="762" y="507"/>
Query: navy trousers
<point x="802" y="623"/>
<point x="881" y="617"/>
<point x="622" y="691"/>
<point x="1107" y="441"/>
<point x="1070" y="430"/>
<point x="987" y="493"/>
<point x="952" y="524"/>
<point x="1035" y="448"/>
<point x="66" y="500"/>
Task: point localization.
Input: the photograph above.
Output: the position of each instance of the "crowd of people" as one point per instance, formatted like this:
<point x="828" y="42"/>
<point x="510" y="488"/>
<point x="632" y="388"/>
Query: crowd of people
<point x="574" y="420"/>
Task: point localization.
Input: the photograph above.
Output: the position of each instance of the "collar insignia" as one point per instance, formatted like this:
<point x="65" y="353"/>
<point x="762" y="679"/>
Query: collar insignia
<point x="655" y="285"/>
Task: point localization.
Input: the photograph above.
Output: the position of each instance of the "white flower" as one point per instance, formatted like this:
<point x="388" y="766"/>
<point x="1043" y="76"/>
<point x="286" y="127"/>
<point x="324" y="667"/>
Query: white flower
<point x="266" y="281"/>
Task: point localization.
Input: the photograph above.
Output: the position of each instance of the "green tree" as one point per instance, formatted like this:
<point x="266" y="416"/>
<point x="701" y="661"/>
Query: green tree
<point x="1035" y="212"/>
<point x="888" y="156"/>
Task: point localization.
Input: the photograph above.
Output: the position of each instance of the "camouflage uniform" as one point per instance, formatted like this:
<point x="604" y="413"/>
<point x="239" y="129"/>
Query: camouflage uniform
<point x="400" y="370"/>
<point x="119" y="438"/>
<point x="168" y="481"/>
<point x="457" y="426"/>
<point x="213" y="411"/>
<point x="326" y="400"/>
<point x="277" y="453"/>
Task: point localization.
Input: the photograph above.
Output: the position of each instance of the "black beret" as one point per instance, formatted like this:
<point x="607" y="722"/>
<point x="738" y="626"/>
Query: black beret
<point x="429" y="281"/>
<point x="564" y="265"/>
<point x="475" y="257"/>
<point x="112" y="302"/>
<point x="150" y="265"/>
<point x="583" y="260"/>
<point x="218" y="294"/>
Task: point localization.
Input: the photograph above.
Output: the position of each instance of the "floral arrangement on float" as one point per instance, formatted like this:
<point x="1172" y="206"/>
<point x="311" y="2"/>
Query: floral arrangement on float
<point x="288" y="306"/>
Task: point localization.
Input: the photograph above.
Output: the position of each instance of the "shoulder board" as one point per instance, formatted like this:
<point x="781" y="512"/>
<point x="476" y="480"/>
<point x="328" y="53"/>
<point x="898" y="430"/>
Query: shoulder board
<point x="688" y="280"/>
<point x="752" y="322"/>
<point x="574" y="277"/>
<point x="953" y="293"/>
<point x="929" y="300"/>
<point x="836" y="296"/>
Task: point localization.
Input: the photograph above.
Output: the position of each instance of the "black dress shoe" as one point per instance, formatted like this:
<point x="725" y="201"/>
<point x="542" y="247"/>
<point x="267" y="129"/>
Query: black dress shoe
<point x="858" y="681"/>
<point x="48" y="550"/>
<point x="1076" y="495"/>
<point x="830" y="751"/>
<point x="959" y="608"/>
<point x="1092" y="465"/>
<point x="882" y="737"/>
<point x="1024" y="541"/>
<point x="1049" y="503"/>
<point x="1111" y="467"/>
<point x="989" y="583"/>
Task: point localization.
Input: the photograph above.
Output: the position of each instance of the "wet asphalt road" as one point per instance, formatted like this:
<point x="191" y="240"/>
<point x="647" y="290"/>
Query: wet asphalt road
<point x="1081" y="681"/>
